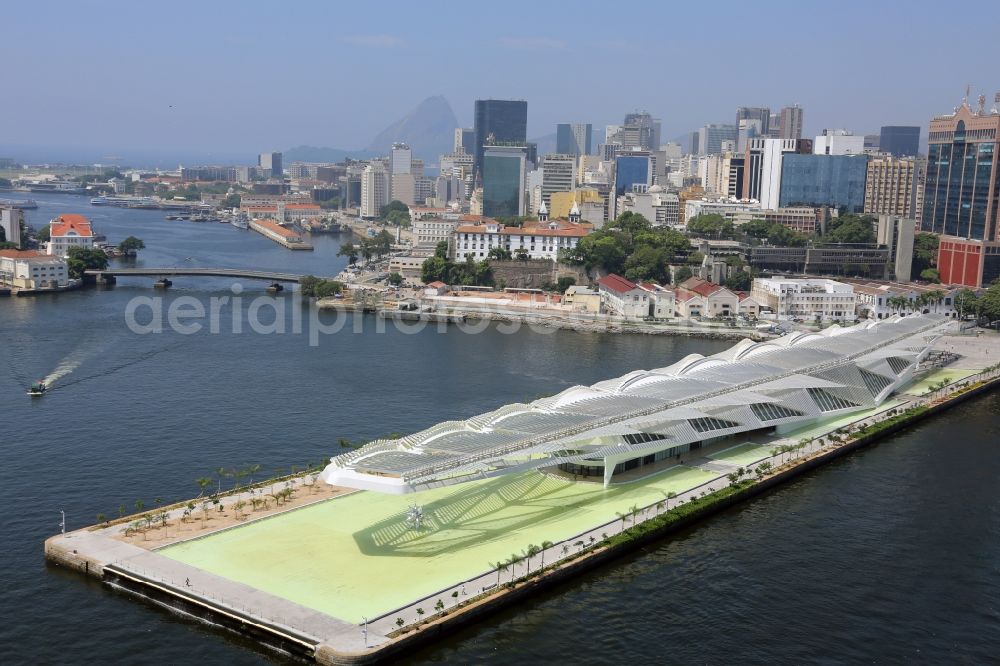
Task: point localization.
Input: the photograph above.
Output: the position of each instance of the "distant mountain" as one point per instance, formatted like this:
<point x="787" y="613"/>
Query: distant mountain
<point x="317" y="154"/>
<point x="429" y="130"/>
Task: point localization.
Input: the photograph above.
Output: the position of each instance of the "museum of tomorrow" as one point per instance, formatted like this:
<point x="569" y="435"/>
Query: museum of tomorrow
<point x="651" y="415"/>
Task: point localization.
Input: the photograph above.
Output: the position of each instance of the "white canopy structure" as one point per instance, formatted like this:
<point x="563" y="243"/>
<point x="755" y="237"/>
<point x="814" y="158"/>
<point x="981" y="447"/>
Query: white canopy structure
<point x="650" y="415"/>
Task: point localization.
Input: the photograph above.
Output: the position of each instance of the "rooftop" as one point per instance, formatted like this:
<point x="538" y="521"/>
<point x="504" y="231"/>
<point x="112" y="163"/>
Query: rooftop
<point x="70" y="224"/>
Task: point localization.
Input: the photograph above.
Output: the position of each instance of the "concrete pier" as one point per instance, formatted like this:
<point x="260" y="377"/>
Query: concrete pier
<point x="284" y="625"/>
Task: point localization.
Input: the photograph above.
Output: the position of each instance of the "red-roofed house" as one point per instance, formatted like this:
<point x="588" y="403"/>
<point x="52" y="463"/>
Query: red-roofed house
<point x="717" y="300"/>
<point x="69" y="230"/>
<point x="634" y="301"/>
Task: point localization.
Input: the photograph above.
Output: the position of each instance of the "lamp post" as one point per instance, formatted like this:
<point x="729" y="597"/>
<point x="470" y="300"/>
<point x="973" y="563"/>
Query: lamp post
<point x="364" y="630"/>
<point x="62" y="522"/>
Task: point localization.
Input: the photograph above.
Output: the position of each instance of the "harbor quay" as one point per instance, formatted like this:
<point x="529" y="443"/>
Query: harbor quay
<point x="395" y="543"/>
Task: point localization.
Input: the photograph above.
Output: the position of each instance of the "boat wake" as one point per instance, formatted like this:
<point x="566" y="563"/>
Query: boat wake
<point x="121" y="366"/>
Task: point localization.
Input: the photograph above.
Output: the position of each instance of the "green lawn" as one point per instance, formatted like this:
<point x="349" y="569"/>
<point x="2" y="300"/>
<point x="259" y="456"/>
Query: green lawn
<point x="354" y="556"/>
<point x="743" y="454"/>
<point x="953" y="375"/>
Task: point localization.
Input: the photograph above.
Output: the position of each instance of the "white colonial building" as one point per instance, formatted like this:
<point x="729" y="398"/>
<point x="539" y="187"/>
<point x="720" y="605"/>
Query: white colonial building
<point x="68" y="231"/>
<point x="543" y="239"/>
<point x="27" y="269"/>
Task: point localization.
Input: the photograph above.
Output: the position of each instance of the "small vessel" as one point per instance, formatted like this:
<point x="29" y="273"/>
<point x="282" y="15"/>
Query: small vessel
<point x="23" y="204"/>
<point x="240" y="223"/>
<point x="37" y="389"/>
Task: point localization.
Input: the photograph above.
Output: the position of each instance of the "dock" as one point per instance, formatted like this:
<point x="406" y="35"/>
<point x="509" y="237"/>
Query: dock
<point x="281" y="235"/>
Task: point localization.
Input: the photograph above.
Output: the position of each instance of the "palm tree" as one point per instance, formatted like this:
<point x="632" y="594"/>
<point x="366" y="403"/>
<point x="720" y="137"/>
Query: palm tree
<point x="101" y="518"/>
<point x="139" y="505"/>
<point x="121" y="510"/>
<point x="545" y="546"/>
<point x="203" y="482"/>
<point x="253" y="469"/>
<point x="221" y="472"/>
<point x="530" y="552"/>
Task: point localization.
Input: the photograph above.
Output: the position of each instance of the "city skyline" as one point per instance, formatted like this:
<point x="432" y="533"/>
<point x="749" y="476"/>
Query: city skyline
<point x="178" y="100"/>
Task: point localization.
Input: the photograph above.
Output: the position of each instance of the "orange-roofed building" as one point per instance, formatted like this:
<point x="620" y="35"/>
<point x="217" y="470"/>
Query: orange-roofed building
<point x="717" y="300"/>
<point x="67" y="231"/>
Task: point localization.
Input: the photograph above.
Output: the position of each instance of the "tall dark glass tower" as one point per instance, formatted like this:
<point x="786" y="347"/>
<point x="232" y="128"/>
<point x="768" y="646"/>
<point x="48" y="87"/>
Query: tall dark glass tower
<point x="505" y="119"/>
<point x="900" y="140"/>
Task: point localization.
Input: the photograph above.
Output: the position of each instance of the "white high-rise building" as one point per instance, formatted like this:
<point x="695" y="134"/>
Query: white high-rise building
<point x="401" y="159"/>
<point x="10" y="221"/>
<point x="374" y="189"/>
<point x="557" y="175"/>
<point x="839" y="142"/>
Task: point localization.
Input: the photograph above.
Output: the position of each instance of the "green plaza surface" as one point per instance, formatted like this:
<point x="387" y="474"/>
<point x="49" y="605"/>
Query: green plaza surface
<point x="356" y="556"/>
<point x="952" y="375"/>
<point x="743" y="454"/>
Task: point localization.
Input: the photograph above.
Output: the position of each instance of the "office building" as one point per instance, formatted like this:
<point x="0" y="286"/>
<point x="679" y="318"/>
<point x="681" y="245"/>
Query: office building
<point x="633" y="171"/>
<point x="375" y="185"/>
<point x="891" y="186"/>
<point x="758" y="115"/>
<point x="711" y="137"/>
<point x="823" y="180"/>
<point x="762" y="173"/>
<point x="790" y="122"/>
<point x="498" y="121"/>
<point x="465" y="141"/>
<point x="659" y="207"/>
<point x="808" y="299"/>
<point x="10" y="221"/>
<point x="839" y="142"/>
<point x="271" y="164"/>
<point x="962" y="194"/>
<point x="900" y="140"/>
<point x="640" y="131"/>
<point x="400" y="159"/>
<point x="557" y="175"/>
<point x="573" y="138"/>
<point x="897" y="233"/>
<point x="504" y="176"/>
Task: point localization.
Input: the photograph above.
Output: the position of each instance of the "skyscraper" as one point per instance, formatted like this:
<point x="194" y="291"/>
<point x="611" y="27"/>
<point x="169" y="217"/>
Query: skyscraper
<point x="465" y="140"/>
<point x="640" y="131"/>
<point x="573" y="138"/>
<point x="504" y="174"/>
<point x="710" y="138"/>
<point x="506" y="121"/>
<point x="762" y="169"/>
<point x="823" y="180"/>
<point x="900" y="140"/>
<point x="790" y="122"/>
<point x="401" y="160"/>
<point x="962" y="194"/>
<point x="758" y="113"/>
<point x="271" y="161"/>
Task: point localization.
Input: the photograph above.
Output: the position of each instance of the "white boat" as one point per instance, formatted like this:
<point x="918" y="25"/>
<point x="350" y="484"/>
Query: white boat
<point x="240" y="223"/>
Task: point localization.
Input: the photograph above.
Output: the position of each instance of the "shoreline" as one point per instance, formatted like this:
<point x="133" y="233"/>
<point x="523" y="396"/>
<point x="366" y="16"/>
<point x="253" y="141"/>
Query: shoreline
<point x="347" y="648"/>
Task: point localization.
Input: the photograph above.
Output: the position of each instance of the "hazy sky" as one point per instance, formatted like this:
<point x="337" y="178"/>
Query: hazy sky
<point x="241" y="77"/>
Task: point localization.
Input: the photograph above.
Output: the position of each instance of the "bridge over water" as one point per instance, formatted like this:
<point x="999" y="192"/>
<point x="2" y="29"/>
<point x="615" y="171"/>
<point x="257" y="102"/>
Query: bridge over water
<point x="103" y="275"/>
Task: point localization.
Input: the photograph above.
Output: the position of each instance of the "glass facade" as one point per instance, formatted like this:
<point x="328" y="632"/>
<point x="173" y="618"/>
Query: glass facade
<point x="506" y="120"/>
<point x="824" y="180"/>
<point x="631" y="170"/>
<point x="573" y="139"/>
<point x="503" y="180"/>
<point x="957" y="187"/>
<point x="900" y="140"/>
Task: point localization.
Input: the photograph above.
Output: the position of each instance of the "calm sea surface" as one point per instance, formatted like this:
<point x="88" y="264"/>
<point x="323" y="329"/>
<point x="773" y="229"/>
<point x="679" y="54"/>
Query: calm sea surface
<point x="889" y="556"/>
